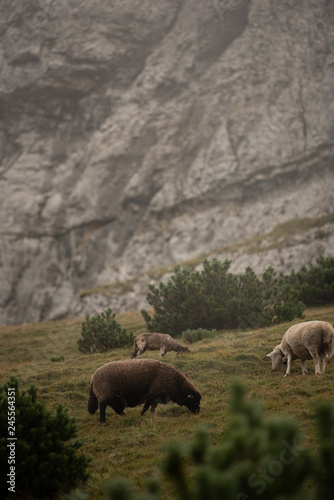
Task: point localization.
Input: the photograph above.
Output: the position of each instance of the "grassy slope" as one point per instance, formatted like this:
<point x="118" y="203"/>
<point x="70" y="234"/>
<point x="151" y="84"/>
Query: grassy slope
<point x="133" y="445"/>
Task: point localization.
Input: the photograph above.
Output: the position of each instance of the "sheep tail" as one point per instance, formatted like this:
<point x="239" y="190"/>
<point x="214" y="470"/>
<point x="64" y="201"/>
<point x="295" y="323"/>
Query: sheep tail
<point x="92" y="402"/>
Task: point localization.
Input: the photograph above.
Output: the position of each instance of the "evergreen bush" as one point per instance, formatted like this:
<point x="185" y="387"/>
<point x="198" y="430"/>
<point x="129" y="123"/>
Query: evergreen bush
<point x="257" y="458"/>
<point x="44" y="455"/>
<point x="177" y="304"/>
<point x="102" y="333"/>
<point x="217" y="299"/>
<point x="315" y="283"/>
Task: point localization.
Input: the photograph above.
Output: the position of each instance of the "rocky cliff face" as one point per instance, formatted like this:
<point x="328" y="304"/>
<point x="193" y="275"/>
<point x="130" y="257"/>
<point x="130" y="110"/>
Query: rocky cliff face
<point x="138" y="134"/>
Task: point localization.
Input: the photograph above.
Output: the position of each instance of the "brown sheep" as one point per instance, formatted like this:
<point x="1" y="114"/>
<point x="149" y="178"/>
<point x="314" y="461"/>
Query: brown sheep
<point x="119" y="384"/>
<point x="307" y="340"/>
<point x="155" y="342"/>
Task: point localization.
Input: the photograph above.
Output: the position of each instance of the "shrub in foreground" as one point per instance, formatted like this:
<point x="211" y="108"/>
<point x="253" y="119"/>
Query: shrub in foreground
<point x="44" y="456"/>
<point x="102" y="333"/>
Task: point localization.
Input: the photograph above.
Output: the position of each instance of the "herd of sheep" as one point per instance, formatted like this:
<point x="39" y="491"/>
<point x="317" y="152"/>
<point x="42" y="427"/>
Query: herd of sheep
<point x="134" y="382"/>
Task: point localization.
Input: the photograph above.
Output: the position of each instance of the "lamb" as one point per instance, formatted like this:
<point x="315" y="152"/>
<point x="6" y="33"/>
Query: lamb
<point x="119" y="384"/>
<point x="154" y="342"/>
<point x="307" y="340"/>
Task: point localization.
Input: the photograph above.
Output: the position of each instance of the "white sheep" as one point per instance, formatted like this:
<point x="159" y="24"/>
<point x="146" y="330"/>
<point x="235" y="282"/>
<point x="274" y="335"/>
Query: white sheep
<point x="307" y="340"/>
<point x="155" y="342"/>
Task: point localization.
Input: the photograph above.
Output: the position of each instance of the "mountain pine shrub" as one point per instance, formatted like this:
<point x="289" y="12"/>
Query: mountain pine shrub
<point x="257" y="458"/>
<point x="214" y="298"/>
<point x="102" y="333"/>
<point x="315" y="283"/>
<point x="46" y="458"/>
<point x="178" y="304"/>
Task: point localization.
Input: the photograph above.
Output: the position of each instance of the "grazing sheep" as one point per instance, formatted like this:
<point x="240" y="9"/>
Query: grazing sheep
<point x="119" y="384"/>
<point x="155" y="342"/>
<point x="307" y="340"/>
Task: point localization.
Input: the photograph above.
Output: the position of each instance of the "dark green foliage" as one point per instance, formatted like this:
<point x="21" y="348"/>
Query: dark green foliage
<point x="315" y="283"/>
<point x="324" y="462"/>
<point x="257" y="458"/>
<point x="281" y="299"/>
<point x="102" y="333"/>
<point x="192" y="336"/>
<point x="178" y="304"/>
<point x="44" y="464"/>
<point x="216" y="299"/>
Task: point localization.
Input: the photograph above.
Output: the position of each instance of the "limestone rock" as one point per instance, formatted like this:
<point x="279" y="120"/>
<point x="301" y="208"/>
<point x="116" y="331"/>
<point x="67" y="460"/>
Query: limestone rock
<point x="134" y="135"/>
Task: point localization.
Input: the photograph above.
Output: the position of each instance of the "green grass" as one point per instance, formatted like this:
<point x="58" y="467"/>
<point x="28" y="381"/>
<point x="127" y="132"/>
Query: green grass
<point x="132" y="446"/>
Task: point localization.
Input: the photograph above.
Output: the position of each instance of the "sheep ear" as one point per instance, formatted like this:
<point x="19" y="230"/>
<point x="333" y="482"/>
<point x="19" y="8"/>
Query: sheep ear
<point x="271" y="354"/>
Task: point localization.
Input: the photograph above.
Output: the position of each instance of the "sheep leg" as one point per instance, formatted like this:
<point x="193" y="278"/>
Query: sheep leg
<point x="324" y="363"/>
<point x="315" y="357"/>
<point x="146" y="407"/>
<point x="303" y="366"/>
<point x="153" y="403"/>
<point x="289" y="361"/>
<point x="118" y="404"/>
<point x="103" y="407"/>
<point x="162" y="352"/>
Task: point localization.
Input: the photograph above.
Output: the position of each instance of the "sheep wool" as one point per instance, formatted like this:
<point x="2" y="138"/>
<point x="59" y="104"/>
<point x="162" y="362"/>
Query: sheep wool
<point x="307" y="340"/>
<point x="121" y="384"/>
<point x="155" y="342"/>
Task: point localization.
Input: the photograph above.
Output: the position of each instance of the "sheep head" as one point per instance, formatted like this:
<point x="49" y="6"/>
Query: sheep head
<point x="184" y="350"/>
<point x="192" y="402"/>
<point x="277" y="358"/>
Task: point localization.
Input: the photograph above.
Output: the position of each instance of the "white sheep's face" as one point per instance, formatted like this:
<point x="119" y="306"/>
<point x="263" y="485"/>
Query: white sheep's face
<point x="276" y="357"/>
